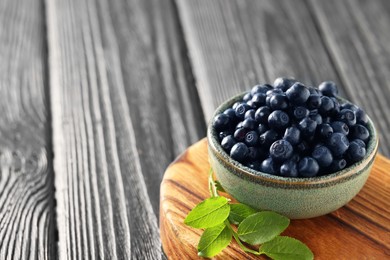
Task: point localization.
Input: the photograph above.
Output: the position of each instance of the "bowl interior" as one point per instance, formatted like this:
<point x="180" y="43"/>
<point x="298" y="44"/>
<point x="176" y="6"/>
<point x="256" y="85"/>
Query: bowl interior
<point x="258" y="175"/>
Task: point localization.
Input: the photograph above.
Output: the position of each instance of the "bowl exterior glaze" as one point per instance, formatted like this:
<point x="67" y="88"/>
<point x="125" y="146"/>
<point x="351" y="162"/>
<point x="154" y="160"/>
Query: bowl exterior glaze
<point x="296" y="198"/>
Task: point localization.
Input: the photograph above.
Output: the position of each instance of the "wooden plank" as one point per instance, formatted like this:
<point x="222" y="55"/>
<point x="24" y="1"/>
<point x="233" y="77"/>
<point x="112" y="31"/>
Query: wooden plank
<point x="364" y="222"/>
<point x="26" y="177"/>
<point x="236" y="44"/>
<point x="123" y="106"/>
<point x="357" y="35"/>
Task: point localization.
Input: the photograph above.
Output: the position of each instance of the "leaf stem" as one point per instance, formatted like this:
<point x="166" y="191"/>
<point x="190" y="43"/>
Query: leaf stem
<point x="244" y="248"/>
<point x="212" y="187"/>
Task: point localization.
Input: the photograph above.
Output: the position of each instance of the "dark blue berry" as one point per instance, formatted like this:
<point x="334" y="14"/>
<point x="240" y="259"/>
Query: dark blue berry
<point x="278" y="101"/>
<point x="235" y="105"/>
<point x="253" y="154"/>
<point x="336" y="106"/>
<point x="308" y="167"/>
<point x="231" y="113"/>
<point x="361" y="117"/>
<point x="289" y="169"/>
<point x="307" y="126"/>
<point x="228" y="142"/>
<point x="298" y="94"/>
<point x="359" y="142"/>
<point x="303" y="147"/>
<point x="314" y="91"/>
<point x="239" y="125"/>
<point x="338" y="143"/>
<point x="337" y="165"/>
<point x="347" y="116"/>
<point x="278" y="119"/>
<point x="250" y="114"/>
<point x="322" y="155"/>
<point x="326" y="105"/>
<point x="359" y="132"/>
<point x="249" y="123"/>
<point x="221" y="122"/>
<point x="251" y="138"/>
<point x="325" y="131"/>
<point x="247" y="97"/>
<point x="223" y="134"/>
<point x="328" y="88"/>
<point x="314" y="101"/>
<point x="239" y="152"/>
<point x="240" y="133"/>
<point x="262" y="114"/>
<point x="269" y="166"/>
<point x="261" y="129"/>
<point x="261" y="89"/>
<point x="284" y="83"/>
<point x="340" y="127"/>
<point x="241" y="110"/>
<point x="349" y="106"/>
<point x="355" y="152"/>
<point x="292" y="135"/>
<point x="259" y="99"/>
<point x="281" y="150"/>
<point x="300" y="112"/>
<point x="268" y="137"/>
<point x="317" y="118"/>
<point x="251" y="104"/>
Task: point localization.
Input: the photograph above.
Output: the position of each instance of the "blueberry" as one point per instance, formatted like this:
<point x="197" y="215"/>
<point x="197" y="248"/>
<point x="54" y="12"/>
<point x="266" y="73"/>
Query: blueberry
<point x="289" y="169"/>
<point x="308" y="167"/>
<point x="338" y="143"/>
<point x="269" y="166"/>
<point x="355" y="152"/>
<point x="247" y="97"/>
<point x="300" y="112"/>
<point x="347" y="116"/>
<point x="241" y="110"/>
<point x="340" y="127"/>
<point x="298" y="94"/>
<point x="284" y="83"/>
<point x="307" y="126"/>
<point x="261" y="89"/>
<point x="327" y="120"/>
<point x="239" y="134"/>
<point x="336" y="106"/>
<point x="303" y="147"/>
<point x="223" y="134"/>
<point x="250" y="114"/>
<point x="278" y="101"/>
<point x="314" y="91"/>
<point x="228" y="142"/>
<point x="251" y="138"/>
<point x="249" y="123"/>
<point x="359" y="142"/>
<point x="361" y="117"/>
<point x="221" y="122"/>
<point x="274" y="91"/>
<point x="326" y="105"/>
<point x="281" y="150"/>
<point x="324" y="131"/>
<point x="239" y="125"/>
<point x="317" y="118"/>
<point x="360" y="132"/>
<point x="239" y="152"/>
<point x="322" y="155"/>
<point x="337" y="165"/>
<point x="253" y="154"/>
<point x="268" y="137"/>
<point x="259" y="99"/>
<point x="292" y="135"/>
<point x="261" y="129"/>
<point x="314" y="101"/>
<point x="278" y="119"/>
<point x="235" y="105"/>
<point x="231" y="113"/>
<point x="262" y="114"/>
<point x="328" y="88"/>
<point x="349" y="106"/>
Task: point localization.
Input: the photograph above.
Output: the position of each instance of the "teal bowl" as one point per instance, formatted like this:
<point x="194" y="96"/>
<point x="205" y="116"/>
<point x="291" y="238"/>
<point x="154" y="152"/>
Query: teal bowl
<point x="296" y="198"/>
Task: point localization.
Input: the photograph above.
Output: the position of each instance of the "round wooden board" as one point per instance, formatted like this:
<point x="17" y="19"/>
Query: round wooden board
<point x="361" y="229"/>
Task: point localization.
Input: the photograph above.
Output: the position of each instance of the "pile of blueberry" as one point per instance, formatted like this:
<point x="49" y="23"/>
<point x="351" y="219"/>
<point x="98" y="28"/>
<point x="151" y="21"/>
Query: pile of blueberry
<point x="292" y="130"/>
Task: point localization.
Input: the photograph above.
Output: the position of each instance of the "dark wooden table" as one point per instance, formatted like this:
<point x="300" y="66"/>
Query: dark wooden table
<point x="97" y="97"/>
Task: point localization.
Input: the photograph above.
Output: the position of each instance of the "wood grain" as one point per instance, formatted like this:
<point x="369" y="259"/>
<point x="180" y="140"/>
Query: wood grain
<point x="120" y="90"/>
<point x="236" y="44"/>
<point x="359" y="230"/>
<point x="26" y="177"/>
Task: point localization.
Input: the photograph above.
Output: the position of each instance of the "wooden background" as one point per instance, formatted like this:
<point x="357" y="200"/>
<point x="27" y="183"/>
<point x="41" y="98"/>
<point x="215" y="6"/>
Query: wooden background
<point x="97" y="97"/>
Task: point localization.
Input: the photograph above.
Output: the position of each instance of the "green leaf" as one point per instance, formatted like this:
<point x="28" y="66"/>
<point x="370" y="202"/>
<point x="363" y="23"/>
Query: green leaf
<point x="239" y="212"/>
<point x="262" y="227"/>
<point x="208" y="213"/>
<point x="219" y="186"/>
<point x="214" y="240"/>
<point x="286" y="248"/>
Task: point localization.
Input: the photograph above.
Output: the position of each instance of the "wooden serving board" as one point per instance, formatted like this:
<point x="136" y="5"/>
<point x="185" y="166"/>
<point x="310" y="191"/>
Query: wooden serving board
<point x="359" y="230"/>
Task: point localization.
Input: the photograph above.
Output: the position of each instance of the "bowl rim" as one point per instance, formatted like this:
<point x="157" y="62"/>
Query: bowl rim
<point x="262" y="177"/>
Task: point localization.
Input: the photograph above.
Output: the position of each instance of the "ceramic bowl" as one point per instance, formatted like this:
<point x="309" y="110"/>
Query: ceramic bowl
<point x="296" y="198"/>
